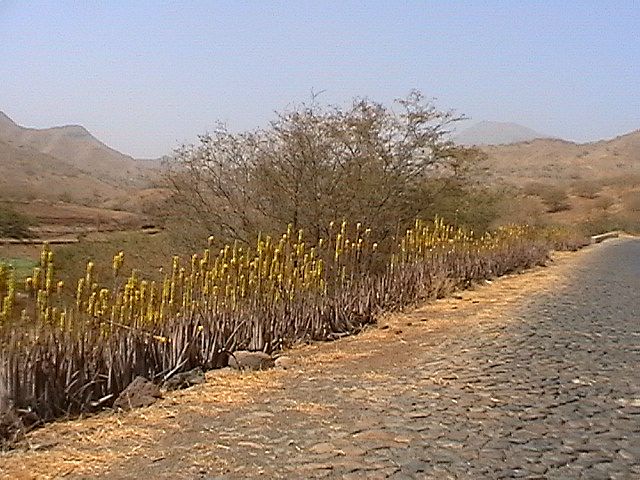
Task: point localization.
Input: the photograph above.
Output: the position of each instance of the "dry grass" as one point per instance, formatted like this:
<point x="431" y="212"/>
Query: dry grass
<point x="86" y="446"/>
<point x="311" y="408"/>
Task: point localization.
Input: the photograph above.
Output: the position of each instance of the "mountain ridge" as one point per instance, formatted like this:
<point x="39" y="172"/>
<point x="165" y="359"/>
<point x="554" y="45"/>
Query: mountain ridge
<point x="488" y="132"/>
<point x="556" y="160"/>
<point x="62" y="154"/>
<point x="75" y="145"/>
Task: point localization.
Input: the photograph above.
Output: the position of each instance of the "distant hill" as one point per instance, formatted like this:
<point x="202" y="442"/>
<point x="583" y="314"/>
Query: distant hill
<point x="560" y="161"/>
<point x="29" y="174"/>
<point x="496" y="133"/>
<point x="65" y="162"/>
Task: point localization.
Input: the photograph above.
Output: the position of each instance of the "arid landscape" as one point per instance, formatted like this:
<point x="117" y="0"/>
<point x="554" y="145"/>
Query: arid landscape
<point x="343" y="240"/>
<point x="67" y="180"/>
<point x="90" y="200"/>
<point x="70" y="183"/>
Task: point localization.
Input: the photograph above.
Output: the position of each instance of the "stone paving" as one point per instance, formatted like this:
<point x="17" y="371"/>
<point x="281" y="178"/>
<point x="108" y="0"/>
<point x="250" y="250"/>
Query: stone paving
<point x="550" y="389"/>
<point x="553" y="393"/>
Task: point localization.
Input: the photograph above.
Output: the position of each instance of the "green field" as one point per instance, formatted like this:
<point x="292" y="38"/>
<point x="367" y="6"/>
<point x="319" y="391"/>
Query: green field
<point x="21" y="267"/>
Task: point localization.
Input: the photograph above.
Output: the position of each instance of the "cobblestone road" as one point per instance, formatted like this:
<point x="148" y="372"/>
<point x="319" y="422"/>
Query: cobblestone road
<point x="551" y="392"/>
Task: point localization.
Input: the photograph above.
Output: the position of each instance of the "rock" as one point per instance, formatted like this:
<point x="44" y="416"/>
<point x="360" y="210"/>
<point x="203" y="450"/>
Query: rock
<point x="185" y="379"/>
<point x="139" y="393"/>
<point x="218" y="361"/>
<point x="11" y="426"/>
<point x="246" y="360"/>
<point x="324" y="447"/>
<point x="284" y="362"/>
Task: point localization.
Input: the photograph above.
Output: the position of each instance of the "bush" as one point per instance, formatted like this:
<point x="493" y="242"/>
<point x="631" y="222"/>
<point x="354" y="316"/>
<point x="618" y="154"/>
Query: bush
<point x="14" y="224"/>
<point x="604" y="202"/>
<point x="470" y="207"/>
<point x="587" y="189"/>
<point x="631" y="180"/>
<point x="515" y="209"/>
<point x="624" y="221"/>
<point x="555" y="198"/>
<point x="314" y="165"/>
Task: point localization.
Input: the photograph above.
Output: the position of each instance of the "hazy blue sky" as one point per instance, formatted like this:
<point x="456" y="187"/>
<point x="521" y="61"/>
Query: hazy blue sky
<point x="144" y="76"/>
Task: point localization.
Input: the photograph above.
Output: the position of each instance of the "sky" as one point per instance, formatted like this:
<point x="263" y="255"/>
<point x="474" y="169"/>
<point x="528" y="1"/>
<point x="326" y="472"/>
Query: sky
<point x="146" y="76"/>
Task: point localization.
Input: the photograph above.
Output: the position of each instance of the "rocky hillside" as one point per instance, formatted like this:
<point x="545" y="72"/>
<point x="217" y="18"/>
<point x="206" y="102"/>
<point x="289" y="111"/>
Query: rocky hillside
<point x="560" y="161"/>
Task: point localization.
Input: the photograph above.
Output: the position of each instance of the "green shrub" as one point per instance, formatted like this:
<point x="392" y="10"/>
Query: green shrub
<point x="14" y="224"/>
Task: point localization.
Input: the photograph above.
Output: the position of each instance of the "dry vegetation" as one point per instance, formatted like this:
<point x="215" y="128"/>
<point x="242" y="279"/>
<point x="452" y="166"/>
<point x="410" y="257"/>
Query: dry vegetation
<point x="317" y="164"/>
<point x="77" y="330"/>
<point x="586" y="185"/>
<point x="64" y="357"/>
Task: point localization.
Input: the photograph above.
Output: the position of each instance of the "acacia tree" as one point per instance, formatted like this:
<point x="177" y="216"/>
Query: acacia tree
<point x="316" y="164"/>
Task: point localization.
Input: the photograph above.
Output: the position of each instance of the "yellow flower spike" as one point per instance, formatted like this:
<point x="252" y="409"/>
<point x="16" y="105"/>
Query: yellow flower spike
<point x="80" y="291"/>
<point x="92" y="304"/>
<point x="47" y="314"/>
<point x="118" y="261"/>
<point x="60" y="287"/>
<point x="44" y="255"/>
<point x="37" y="278"/>
<point x="48" y="284"/>
<point x="338" y="246"/>
<point x="89" y="273"/>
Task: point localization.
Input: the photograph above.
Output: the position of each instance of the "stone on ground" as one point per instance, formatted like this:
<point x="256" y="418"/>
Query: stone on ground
<point x="139" y="393"/>
<point x="185" y="379"/>
<point x="246" y="360"/>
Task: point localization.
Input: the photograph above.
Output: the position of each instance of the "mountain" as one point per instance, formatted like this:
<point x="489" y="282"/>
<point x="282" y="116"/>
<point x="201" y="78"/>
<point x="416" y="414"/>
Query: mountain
<point x="28" y="174"/>
<point x="559" y="161"/>
<point x="496" y="133"/>
<point x="65" y="161"/>
<point x="74" y="145"/>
